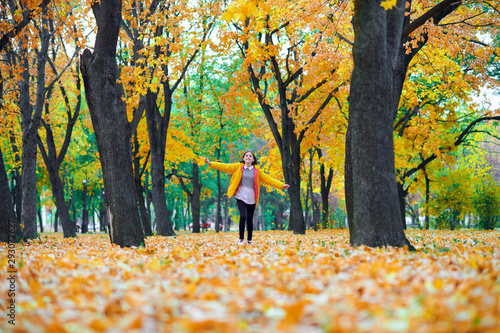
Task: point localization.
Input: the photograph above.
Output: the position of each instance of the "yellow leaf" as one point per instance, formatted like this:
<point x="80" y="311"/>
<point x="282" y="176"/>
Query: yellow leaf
<point x="388" y="4"/>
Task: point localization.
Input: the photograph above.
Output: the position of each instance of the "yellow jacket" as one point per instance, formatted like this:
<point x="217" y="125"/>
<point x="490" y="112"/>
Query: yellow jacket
<point x="236" y="170"/>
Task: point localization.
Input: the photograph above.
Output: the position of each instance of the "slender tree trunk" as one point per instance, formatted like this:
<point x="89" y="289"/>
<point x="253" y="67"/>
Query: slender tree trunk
<point x="147" y="194"/>
<point x="157" y="131"/>
<point x="85" y="213"/>
<point x="375" y="210"/>
<point x="10" y="230"/>
<point x="227" y="224"/>
<point x="72" y="204"/>
<point x="109" y="118"/>
<point x="402" y="194"/>
<point x="40" y="221"/>
<point x="262" y="212"/>
<point x="146" y="223"/>
<point x="195" y="203"/>
<point x="56" y="221"/>
<point x="30" y="122"/>
<point x="427" y="197"/>
<point x="316" y="213"/>
<point x="17" y="192"/>
<point x="326" y="184"/>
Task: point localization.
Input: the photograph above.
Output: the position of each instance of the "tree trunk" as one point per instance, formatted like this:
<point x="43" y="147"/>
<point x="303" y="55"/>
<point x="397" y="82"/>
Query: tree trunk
<point x="40" y="221"/>
<point x="10" y="230"/>
<point x="262" y="213"/>
<point x="218" y="218"/>
<point x="146" y="223"/>
<point x="291" y="168"/>
<point x="195" y="203"/>
<point x="109" y="119"/>
<point x="17" y="192"/>
<point x="56" y="221"/>
<point x="402" y="194"/>
<point x="157" y="131"/>
<point x="85" y="213"/>
<point x="326" y="184"/>
<point x="315" y="212"/>
<point x="376" y="219"/>
<point x="31" y="117"/>
<point x="427" y="197"/>
<point x="147" y="194"/>
<point x="227" y="224"/>
<point x="69" y="226"/>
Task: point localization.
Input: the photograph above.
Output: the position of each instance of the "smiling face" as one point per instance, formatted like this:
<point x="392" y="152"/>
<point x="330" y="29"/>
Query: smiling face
<point x="249" y="158"/>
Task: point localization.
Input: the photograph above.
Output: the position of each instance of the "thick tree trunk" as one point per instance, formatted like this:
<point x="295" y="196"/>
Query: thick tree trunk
<point x="376" y="219"/>
<point x="109" y="118"/>
<point x="28" y="213"/>
<point x="10" y="230"/>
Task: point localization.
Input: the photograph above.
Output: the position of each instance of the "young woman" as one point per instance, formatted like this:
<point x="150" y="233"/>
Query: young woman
<point x="245" y="184"/>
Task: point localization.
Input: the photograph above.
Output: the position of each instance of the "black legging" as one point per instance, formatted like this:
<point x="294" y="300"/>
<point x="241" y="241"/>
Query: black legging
<point x="246" y="214"/>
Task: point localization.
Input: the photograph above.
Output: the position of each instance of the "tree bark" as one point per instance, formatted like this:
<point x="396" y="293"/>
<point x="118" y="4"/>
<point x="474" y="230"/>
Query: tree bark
<point x="31" y="117"/>
<point x="17" y="189"/>
<point x="10" y="230"/>
<point x="109" y="119"/>
<point x="427" y="197"/>
<point x="68" y="225"/>
<point x="196" y="199"/>
<point x="53" y="161"/>
<point x="85" y="213"/>
<point x="40" y="221"/>
<point x="376" y="218"/>
<point x="146" y="222"/>
<point x="157" y="131"/>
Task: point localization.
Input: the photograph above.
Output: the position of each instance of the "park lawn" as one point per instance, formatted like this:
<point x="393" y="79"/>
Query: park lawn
<point x="281" y="283"/>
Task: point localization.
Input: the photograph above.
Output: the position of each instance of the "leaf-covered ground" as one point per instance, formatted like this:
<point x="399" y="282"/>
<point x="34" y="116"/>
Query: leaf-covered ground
<point x="281" y="283"/>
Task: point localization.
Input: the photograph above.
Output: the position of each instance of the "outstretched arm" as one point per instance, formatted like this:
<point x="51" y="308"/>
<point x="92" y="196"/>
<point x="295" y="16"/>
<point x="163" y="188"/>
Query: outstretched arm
<point x="273" y="182"/>
<point x="224" y="167"/>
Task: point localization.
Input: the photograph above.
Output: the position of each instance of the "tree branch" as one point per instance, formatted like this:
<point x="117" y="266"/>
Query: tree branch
<point x="27" y="17"/>
<point x="427" y="16"/>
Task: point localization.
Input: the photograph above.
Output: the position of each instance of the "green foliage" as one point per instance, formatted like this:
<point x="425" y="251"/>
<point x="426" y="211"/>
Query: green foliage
<point x="487" y="205"/>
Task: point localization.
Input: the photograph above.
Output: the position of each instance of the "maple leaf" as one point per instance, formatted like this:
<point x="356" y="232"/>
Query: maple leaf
<point x="388" y="4"/>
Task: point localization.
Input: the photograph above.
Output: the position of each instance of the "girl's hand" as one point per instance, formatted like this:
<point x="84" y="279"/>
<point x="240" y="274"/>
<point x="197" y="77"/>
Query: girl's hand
<point x="286" y="187"/>
<point x="208" y="161"/>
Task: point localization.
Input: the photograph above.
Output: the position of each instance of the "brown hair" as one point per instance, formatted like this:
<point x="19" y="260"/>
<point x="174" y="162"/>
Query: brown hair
<point x="255" y="162"/>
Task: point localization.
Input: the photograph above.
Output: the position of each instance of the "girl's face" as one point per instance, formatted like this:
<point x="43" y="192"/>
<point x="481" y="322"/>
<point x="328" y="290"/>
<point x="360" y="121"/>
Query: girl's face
<point x="248" y="158"/>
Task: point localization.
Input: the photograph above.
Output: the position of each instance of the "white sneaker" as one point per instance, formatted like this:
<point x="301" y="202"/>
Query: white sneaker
<point x="242" y="242"/>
